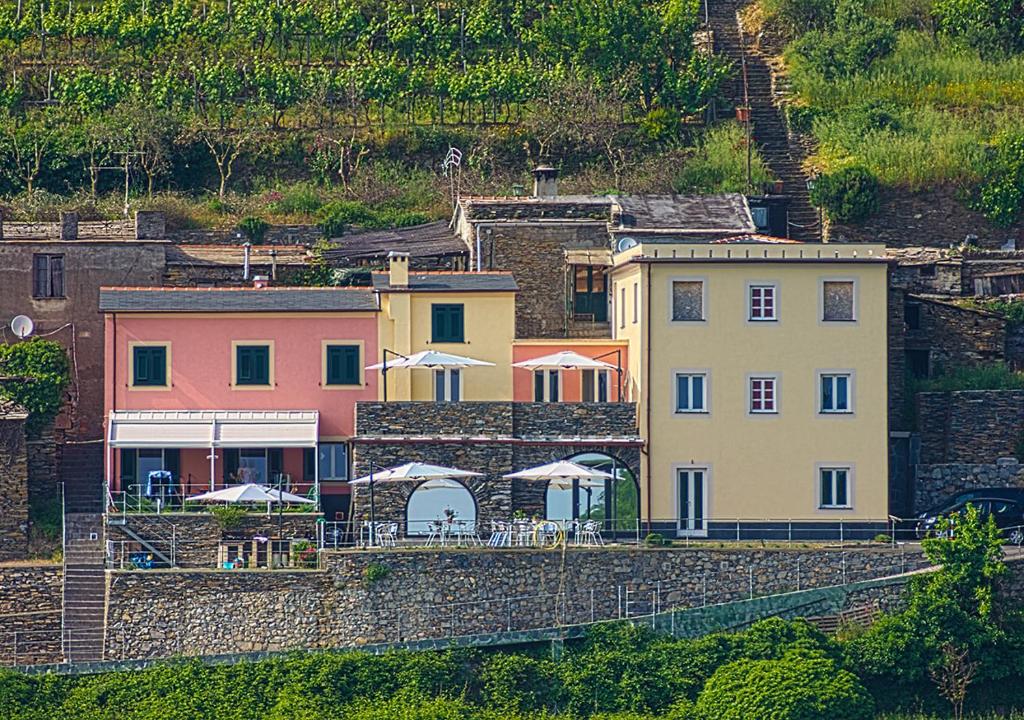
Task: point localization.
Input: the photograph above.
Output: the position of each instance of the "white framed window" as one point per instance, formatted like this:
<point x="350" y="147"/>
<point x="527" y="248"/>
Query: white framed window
<point x="447" y="385"/>
<point x="687" y="300"/>
<point x="691" y="392"/>
<point x="834" y="488"/>
<point x="764" y="394"/>
<point x="636" y="302"/>
<point x="547" y="385"/>
<point x="762" y="303"/>
<point x="838" y="300"/>
<point x="835" y="392"/>
<point x="622" y="307"/>
<point x="595" y="385"/>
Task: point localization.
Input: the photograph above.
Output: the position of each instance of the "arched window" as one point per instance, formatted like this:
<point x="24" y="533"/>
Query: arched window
<point x="431" y="501"/>
<point x="617" y="503"/>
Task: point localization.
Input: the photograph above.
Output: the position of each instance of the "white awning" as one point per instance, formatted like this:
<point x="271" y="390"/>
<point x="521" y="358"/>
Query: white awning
<point x="213" y="428"/>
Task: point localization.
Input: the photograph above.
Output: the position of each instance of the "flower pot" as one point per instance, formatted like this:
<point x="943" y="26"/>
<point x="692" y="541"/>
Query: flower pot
<point x="777" y="187"/>
<point x="743" y="114"/>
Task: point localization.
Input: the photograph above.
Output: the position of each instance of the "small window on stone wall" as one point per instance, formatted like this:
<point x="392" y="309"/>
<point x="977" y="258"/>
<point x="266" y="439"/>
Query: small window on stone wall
<point x="927" y="270"/>
<point x="687" y="300"/>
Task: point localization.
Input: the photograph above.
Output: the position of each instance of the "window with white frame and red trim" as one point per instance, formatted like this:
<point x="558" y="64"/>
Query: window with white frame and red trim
<point x="763" y="395"/>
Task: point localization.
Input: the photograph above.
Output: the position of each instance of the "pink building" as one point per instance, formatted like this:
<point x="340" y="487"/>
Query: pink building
<point x="571" y="385"/>
<point x="229" y="385"/>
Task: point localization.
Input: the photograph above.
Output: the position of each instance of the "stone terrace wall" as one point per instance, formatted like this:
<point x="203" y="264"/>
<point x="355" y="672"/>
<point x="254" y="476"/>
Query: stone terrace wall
<point x="932" y="217"/>
<point x="493" y="438"/>
<point x="970" y="426"/>
<point x="431" y="594"/>
<point x="936" y="483"/>
<point x="13" y="490"/>
<point x="30" y="613"/>
<point x="955" y="336"/>
<point x="197" y="536"/>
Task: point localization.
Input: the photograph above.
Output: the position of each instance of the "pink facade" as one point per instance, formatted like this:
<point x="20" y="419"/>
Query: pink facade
<point x="571" y="380"/>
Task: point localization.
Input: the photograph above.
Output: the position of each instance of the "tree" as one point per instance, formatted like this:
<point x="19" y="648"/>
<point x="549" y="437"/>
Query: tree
<point x="226" y="140"/>
<point x="953" y="675"/>
<point x="30" y="144"/>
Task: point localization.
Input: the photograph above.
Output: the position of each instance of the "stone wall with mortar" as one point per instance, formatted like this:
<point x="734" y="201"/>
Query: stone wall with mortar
<point x="955" y="336"/>
<point x="970" y="426"/>
<point x="30" y="613"/>
<point x="427" y="594"/>
<point x="493" y="438"/>
<point x="933" y="217"/>
<point x="13" y="488"/>
<point x="196" y="537"/>
<point x="936" y="483"/>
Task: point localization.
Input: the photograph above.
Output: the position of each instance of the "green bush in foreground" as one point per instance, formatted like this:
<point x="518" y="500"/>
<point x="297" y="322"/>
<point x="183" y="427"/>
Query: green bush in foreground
<point x="801" y="685"/>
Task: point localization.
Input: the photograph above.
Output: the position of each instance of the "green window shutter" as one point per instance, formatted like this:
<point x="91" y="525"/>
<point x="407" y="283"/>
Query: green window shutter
<point x="447" y="323"/>
<point x="252" y="365"/>
<point x="150" y="366"/>
<point x="343" y="365"/>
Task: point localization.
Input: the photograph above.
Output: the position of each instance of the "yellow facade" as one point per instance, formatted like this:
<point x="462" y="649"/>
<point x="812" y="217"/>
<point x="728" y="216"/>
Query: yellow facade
<point x="757" y="465"/>
<point x="489" y="329"/>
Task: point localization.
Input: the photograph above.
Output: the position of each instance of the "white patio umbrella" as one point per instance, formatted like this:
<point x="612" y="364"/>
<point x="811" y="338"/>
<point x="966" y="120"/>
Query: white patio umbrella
<point x="564" y="360"/>
<point x="561" y="475"/>
<point x="247" y="493"/>
<point x="289" y="497"/>
<point x="429" y="359"/>
<point x="409" y="471"/>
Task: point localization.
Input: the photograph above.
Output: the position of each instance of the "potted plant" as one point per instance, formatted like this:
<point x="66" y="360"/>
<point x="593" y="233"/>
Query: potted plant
<point x="743" y="114"/>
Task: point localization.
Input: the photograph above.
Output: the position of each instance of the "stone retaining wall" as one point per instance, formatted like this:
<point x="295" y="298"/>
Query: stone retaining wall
<point x="436" y="594"/>
<point x="30" y="614"/>
<point x="13" y="488"/>
<point x="970" y="426"/>
<point x="936" y="483"/>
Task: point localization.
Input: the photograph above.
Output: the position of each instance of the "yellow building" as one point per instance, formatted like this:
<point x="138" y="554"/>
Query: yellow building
<point x="760" y="368"/>
<point x="466" y="314"/>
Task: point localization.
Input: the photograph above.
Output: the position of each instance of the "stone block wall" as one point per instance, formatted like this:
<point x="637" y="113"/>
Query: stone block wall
<point x="936" y="483"/>
<point x="970" y="426"/>
<point x="30" y="614"/>
<point x="897" y="358"/>
<point x="196" y="537"/>
<point x="943" y="277"/>
<point x="933" y="217"/>
<point x="493" y="438"/>
<point x="954" y="336"/>
<point x="436" y="594"/>
<point x="13" y="489"/>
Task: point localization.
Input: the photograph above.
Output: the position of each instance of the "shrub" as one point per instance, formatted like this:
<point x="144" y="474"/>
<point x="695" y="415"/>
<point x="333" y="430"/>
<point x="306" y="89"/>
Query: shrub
<point x="660" y="124"/>
<point x="992" y="27"/>
<point x="1001" y="196"/>
<point x="336" y="217"/>
<point x="849" y="195"/>
<point x="228" y="517"/>
<point x="655" y="540"/>
<point x="44" y="364"/>
<point x="857" y="41"/>
<point x="799" y="16"/>
<point x="301" y="199"/>
<point x="719" y="163"/>
<point x="995" y="376"/>
<point x="255" y="228"/>
<point x="801" y="685"/>
<point x="374" y="573"/>
<point x="517" y="683"/>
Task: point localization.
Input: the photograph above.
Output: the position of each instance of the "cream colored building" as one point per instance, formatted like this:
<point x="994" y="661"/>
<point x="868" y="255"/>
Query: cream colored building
<point x="760" y="369"/>
<point x="466" y="314"/>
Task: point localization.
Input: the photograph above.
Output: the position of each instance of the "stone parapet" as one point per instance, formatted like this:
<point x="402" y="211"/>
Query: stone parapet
<point x="970" y="426"/>
<point x="936" y="483"/>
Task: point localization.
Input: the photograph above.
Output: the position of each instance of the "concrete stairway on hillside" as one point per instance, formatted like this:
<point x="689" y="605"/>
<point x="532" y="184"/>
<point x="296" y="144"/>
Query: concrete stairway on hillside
<point x="85" y="587"/>
<point x="81" y="471"/>
<point x="783" y="156"/>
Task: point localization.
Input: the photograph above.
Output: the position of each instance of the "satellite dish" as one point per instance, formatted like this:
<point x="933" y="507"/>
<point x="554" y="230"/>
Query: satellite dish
<point x="625" y="244"/>
<point x="22" y="326"/>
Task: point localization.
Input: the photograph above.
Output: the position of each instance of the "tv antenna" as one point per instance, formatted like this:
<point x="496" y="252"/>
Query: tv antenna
<point x="22" y="326"/>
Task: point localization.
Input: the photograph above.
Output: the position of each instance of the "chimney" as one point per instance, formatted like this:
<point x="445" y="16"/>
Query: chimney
<point x="545" y="181"/>
<point x="260" y="281"/>
<point x="398" y="269"/>
<point x="150" y="225"/>
<point x="246" y="249"/>
<point x="69" y="225"/>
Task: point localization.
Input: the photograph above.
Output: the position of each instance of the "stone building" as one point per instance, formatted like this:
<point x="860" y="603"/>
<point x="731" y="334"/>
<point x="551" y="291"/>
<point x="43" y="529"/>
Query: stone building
<point x="13" y="482"/>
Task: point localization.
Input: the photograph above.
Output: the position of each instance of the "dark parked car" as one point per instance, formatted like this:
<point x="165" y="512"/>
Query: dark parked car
<point x="1008" y="514"/>
<point x="960" y="498"/>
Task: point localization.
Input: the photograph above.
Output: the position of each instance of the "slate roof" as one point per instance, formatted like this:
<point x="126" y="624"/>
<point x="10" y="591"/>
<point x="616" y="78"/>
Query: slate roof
<point x="271" y="299"/>
<point x="234" y="255"/>
<point x="726" y="212"/>
<point x="434" y="239"/>
<point x="450" y="282"/>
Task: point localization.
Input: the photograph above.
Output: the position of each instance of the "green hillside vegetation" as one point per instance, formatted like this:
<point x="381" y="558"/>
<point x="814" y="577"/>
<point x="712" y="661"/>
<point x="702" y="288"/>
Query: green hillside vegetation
<point x="918" y="92"/>
<point x="953" y="624"/>
<point x="277" y="108"/>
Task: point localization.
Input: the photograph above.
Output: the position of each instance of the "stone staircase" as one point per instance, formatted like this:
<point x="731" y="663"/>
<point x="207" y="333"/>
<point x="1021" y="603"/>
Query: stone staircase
<point x="85" y="587"/>
<point x="81" y="471"/>
<point x="784" y="155"/>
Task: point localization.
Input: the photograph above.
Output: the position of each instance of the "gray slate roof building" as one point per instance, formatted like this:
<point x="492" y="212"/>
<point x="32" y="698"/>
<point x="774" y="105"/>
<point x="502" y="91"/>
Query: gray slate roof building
<point x="281" y="299"/>
<point x="450" y="282"/>
<point x="434" y="239"/>
<point x="683" y="214"/>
